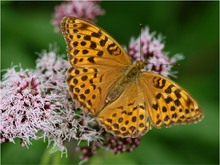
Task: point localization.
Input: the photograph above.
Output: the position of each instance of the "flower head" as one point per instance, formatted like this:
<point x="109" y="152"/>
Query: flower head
<point x="86" y="9"/>
<point x="36" y="103"/>
<point x="115" y="144"/>
<point x="119" y="145"/>
<point x="24" y="109"/>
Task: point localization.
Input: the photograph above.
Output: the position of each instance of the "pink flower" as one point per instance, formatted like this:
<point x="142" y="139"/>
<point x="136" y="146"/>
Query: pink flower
<point x="151" y="50"/>
<point x="116" y="145"/>
<point x="24" y="109"/>
<point x="86" y="9"/>
<point x="36" y="104"/>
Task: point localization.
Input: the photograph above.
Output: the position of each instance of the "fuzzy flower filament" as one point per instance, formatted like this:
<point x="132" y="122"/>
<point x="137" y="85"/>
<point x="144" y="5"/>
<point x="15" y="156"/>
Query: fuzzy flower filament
<point x="23" y="108"/>
<point x="36" y="104"/>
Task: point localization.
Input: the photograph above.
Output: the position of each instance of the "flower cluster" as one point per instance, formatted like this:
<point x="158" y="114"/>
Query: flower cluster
<point x="119" y="145"/>
<point x="150" y="48"/>
<point x="86" y="9"/>
<point x="24" y="107"/>
<point x="36" y="103"/>
<point x="113" y="143"/>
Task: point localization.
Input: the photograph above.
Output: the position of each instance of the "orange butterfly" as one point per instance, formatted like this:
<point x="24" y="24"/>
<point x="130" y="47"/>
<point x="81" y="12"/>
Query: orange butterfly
<point x="125" y="100"/>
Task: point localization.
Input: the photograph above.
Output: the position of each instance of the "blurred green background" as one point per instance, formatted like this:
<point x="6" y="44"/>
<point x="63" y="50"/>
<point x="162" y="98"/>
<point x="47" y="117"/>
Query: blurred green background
<point x="191" y="28"/>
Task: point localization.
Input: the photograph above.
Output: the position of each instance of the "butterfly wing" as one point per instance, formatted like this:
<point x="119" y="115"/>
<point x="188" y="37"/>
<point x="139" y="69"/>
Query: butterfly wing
<point x="168" y="102"/>
<point x="127" y="115"/>
<point x="151" y="100"/>
<point x="97" y="60"/>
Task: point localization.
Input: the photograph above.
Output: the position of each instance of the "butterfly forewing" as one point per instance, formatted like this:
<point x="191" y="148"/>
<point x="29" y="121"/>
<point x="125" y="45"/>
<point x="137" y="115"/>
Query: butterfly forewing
<point x="97" y="60"/>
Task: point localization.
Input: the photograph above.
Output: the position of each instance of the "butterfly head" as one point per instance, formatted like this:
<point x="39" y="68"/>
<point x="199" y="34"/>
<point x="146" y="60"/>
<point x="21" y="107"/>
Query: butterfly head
<point x="140" y="64"/>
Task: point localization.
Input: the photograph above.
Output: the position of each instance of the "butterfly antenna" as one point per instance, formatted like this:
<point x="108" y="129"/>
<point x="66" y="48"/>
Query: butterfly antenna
<point x="141" y="52"/>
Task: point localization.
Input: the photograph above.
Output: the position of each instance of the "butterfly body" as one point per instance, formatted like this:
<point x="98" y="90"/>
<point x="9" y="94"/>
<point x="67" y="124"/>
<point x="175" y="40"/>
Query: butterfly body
<point x="123" y="98"/>
<point x="130" y="76"/>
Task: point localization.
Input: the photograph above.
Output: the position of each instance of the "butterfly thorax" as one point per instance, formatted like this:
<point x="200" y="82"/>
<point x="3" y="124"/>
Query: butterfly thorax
<point x="130" y="76"/>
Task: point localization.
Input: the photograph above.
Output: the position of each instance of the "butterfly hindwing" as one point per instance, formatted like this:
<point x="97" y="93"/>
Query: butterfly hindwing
<point x="127" y="116"/>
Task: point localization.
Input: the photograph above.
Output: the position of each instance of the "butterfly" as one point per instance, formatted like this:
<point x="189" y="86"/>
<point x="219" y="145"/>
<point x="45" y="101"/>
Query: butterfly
<point x="125" y="100"/>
